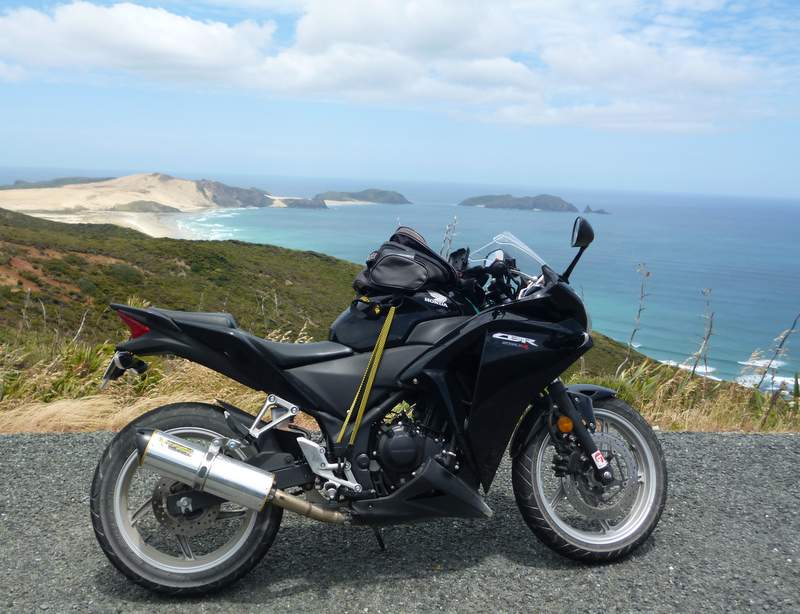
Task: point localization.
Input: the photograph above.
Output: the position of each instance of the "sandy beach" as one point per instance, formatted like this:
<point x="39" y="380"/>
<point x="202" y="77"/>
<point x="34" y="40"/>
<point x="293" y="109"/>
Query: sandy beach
<point x="347" y="203"/>
<point x="104" y="202"/>
<point x="152" y="224"/>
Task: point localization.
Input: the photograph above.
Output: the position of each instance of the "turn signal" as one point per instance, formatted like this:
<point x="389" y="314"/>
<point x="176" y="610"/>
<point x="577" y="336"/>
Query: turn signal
<point x="564" y="424"/>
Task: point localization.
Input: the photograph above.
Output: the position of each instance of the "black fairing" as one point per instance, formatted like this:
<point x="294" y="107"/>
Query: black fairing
<point x="491" y="380"/>
<point x="229" y="351"/>
<point x="331" y="385"/>
<point x="435" y="491"/>
<point x="358" y="326"/>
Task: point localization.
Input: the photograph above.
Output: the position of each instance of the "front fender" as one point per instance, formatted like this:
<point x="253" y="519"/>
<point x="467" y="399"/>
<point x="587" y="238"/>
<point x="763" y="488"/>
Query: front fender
<point x="596" y="393"/>
<point x="533" y="420"/>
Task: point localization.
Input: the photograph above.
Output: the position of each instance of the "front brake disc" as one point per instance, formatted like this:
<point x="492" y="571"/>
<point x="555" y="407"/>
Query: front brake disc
<point x="590" y="497"/>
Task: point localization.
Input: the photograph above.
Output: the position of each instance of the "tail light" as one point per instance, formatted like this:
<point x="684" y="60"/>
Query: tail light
<point x="137" y="328"/>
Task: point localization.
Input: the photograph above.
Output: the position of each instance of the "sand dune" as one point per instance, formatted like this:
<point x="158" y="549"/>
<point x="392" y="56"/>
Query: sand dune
<point x="181" y="194"/>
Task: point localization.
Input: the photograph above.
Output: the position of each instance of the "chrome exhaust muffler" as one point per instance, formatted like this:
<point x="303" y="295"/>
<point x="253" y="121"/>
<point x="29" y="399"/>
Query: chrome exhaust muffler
<point x="205" y="468"/>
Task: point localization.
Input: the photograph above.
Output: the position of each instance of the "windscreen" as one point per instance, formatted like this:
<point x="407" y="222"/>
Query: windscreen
<point x="528" y="262"/>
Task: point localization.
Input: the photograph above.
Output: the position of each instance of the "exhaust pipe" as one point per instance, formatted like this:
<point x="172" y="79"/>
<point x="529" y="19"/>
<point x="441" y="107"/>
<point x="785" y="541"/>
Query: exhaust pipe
<point x="208" y="470"/>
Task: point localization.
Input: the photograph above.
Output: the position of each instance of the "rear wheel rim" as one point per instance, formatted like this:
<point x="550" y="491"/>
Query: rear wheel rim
<point x="604" y="534"/>
<point x="129" y="513"/>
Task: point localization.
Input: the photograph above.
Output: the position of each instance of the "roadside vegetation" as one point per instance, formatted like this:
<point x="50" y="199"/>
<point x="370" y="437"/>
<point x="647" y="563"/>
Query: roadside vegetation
<point x="57" y="332"/>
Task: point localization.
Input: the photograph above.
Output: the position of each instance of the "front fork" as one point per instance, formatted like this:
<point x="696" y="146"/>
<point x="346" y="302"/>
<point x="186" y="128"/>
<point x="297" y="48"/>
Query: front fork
<point x="580" y="412"/>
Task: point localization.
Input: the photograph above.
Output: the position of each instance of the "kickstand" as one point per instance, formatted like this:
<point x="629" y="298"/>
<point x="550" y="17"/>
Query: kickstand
<point x="379" y="536"/>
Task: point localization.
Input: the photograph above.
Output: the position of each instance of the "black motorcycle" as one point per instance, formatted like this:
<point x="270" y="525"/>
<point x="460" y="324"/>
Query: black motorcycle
<point x="435" y="367"/>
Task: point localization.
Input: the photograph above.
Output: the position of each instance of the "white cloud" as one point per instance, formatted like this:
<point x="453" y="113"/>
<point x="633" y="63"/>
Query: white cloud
<point x="275" y="6"/>
<point x="129" y="37"/>
<point x="603" y="63"/>
<point x="10" y="73"/>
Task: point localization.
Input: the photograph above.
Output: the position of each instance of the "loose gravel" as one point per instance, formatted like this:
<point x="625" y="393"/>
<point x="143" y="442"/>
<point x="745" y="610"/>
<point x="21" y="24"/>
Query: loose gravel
<point x="729" y="540"/>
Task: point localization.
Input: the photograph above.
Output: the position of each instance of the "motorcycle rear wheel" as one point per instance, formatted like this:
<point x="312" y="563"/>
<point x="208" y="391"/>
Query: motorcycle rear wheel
<point x="560" y="512"/>
<point x="173" y="554"/>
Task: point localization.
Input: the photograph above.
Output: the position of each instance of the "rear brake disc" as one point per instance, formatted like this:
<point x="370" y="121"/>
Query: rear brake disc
<point x="184" y="525"/>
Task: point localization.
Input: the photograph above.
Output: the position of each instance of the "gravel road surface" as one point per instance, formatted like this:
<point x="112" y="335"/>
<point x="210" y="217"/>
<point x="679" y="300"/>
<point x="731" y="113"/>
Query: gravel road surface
<point x="729" y="540"/>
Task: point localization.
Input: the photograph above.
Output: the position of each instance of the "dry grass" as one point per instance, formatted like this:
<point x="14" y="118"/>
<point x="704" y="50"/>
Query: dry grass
<point x="669" y="398"/>
<point x="675" y="400"/>
<point x="57" y="390"/>
<point x="51" y="384"/>
<point x="122" y="401"/>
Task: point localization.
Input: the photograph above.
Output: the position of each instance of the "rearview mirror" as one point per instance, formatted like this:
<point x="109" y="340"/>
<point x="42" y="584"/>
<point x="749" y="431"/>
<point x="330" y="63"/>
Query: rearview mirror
<point x="582" y="233"/>
<point x="496" y="255"/>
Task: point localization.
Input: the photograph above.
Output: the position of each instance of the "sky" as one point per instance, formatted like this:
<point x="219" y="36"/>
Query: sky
<point x="698" y="96"/>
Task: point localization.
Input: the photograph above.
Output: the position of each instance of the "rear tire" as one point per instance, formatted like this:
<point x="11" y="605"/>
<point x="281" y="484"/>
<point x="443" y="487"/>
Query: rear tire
<point x="541" y="516"/>
<point x="130" y="555"/>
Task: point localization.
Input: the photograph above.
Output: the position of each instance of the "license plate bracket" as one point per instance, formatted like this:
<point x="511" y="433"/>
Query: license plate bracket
<point x="120" y="363"/>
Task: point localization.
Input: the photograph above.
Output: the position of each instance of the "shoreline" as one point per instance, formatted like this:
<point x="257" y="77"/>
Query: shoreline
<point x="348" y="203"/>
<point x="156" y="225"/>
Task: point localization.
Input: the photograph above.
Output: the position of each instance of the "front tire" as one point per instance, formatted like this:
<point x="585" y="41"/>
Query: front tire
<point x="564" y="512"/>
<point x="177" y="554"/>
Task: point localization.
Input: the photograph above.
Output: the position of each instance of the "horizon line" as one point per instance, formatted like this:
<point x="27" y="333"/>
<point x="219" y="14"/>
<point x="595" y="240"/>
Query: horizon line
<point x="120" y="172"/>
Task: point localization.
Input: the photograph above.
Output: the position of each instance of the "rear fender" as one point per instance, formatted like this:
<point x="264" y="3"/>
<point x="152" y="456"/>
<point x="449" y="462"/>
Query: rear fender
<point x="233" y="354"/>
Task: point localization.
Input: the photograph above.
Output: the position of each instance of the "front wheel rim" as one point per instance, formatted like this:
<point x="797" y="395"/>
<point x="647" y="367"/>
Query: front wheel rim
<point x="606" y="535"/>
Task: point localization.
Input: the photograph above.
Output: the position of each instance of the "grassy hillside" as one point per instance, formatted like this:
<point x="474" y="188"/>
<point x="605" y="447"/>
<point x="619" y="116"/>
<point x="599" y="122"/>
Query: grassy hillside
<point x="72" y="269"/>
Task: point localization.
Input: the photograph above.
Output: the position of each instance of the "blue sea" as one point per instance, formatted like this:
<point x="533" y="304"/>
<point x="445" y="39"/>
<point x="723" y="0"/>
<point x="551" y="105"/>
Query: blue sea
<point x="744" y="250"/>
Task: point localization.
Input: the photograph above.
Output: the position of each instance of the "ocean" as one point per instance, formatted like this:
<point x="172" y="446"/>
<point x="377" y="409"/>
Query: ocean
<point x="744" y="250"/>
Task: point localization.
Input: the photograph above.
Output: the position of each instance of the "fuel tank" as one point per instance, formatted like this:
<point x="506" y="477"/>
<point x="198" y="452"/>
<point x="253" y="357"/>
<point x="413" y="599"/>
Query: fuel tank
<point x="358" y="326"/>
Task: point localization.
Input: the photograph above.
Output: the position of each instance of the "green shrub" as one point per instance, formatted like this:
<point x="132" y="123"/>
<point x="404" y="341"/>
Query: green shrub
<point x="74" y="260"/>
<point x="87" y="286"/>
<point x="57" y="268"/>
<point x="30" y="276"/>
<point x="125" y="273"/>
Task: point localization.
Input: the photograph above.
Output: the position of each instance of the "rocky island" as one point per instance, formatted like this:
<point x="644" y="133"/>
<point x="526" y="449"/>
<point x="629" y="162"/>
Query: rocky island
<point x="542" y="202"/>
<point x="597" y="211"/>
<point x="371" y="195"/>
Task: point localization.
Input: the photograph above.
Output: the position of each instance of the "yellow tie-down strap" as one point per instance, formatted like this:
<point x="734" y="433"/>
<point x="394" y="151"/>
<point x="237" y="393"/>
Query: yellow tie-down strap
<point x="365" y="387"/>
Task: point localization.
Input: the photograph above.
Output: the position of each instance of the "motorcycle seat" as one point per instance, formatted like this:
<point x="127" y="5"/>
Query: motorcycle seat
<point x="199" y="318"/>
<point x="290" y="355"/>
<point x="282" y="355"/>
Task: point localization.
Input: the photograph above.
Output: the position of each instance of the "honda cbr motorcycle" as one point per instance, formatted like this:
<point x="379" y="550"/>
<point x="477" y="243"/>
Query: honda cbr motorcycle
<point x="433" y="372"/>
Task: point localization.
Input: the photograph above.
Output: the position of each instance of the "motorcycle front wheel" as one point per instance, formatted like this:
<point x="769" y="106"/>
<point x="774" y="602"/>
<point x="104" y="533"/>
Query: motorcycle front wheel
<point x="179" y="554"/>
<point x="577" y="516"/>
